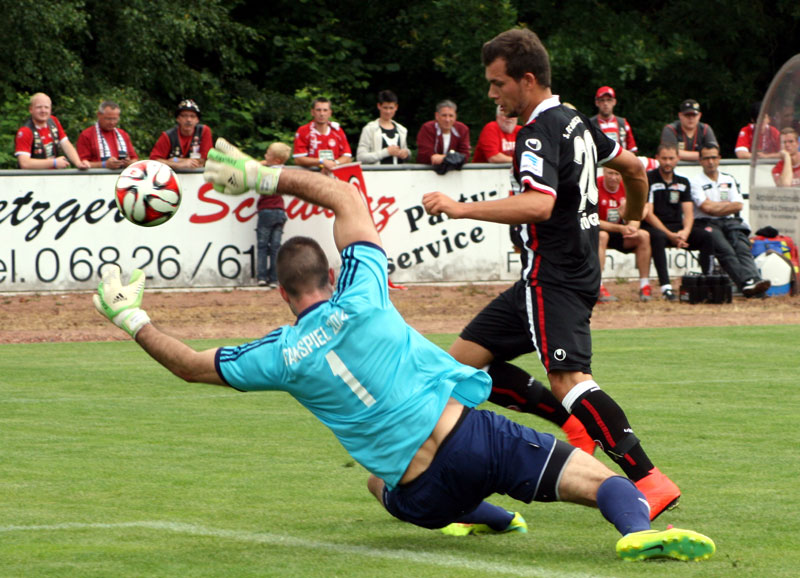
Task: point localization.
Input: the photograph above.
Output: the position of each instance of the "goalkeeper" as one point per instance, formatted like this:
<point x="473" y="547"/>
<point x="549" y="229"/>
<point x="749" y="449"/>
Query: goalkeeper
<point x="401" y="406"/>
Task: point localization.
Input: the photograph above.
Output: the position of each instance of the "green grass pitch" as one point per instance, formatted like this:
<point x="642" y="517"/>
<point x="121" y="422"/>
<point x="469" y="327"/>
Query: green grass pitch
<point x="110" y="466"/>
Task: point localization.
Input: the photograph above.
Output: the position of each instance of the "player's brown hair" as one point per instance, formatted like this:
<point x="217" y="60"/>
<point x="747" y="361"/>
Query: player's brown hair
<point x="302" y="266"/>
<point x="523" y="52"/>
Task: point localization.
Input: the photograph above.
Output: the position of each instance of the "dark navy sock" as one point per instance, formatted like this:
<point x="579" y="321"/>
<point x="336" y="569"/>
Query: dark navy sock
<point x="493" y="516"/>
<point x="622" y="504"/>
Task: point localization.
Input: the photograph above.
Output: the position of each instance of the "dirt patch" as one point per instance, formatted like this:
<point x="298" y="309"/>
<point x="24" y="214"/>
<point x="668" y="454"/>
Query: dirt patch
<point x="250" y="313"/>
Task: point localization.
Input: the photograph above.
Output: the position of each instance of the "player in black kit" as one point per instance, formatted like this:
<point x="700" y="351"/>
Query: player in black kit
<point x="548" y="309"/>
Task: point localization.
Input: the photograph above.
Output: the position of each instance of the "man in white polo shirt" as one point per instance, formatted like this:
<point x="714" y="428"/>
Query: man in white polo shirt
<point x="717" y="202"/>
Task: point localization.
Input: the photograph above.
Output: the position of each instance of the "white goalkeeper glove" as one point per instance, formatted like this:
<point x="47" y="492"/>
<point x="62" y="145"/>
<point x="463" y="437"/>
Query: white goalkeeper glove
<point x="120" y="303"/>
<point x="232" y="172"/>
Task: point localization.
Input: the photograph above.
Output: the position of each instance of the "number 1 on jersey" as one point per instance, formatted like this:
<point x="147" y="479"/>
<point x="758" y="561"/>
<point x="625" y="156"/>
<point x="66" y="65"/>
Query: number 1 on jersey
<point x="340" y="369"/>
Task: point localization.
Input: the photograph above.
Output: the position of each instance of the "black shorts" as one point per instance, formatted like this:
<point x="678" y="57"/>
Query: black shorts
<point x="551" y="320"/>
<point x="617" y="242"/>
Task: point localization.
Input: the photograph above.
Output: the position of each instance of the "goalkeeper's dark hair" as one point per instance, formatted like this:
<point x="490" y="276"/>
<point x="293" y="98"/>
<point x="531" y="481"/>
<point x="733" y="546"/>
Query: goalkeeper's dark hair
<point x="523" y="52"/>
<point x="302" y="266"/>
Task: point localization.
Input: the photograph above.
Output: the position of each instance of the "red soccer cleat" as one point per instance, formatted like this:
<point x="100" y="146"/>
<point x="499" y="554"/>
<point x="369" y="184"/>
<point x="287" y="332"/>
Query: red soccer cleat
<point x="662" y="494"/>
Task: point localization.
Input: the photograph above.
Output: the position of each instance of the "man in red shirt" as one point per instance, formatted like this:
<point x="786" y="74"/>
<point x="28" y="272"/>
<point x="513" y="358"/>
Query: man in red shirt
<point x="497" y="140"/>
<point x="103" y="145"/>
<point x="321" y="142"/>
<point x="770" y="138"/>
<point x="185" y="145"/>
<point x="616" y="127"/>
<point x="787" y="172"/>
<point x="618" y="234"/>
<point x="41" y="142"/>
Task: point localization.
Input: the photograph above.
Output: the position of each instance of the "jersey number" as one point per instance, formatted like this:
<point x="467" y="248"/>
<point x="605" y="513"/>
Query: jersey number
<point x="586" y="155"/>
<point x="340" y="369"/>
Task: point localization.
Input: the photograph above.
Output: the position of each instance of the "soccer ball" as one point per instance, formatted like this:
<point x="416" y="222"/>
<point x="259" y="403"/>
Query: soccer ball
<point x="147" y="193"/>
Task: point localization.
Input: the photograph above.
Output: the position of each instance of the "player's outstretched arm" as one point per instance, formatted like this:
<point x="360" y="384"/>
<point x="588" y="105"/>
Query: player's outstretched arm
<point x="122" y="305"/>
<point x="530" y="207"/>
<point x="233" y="172"/>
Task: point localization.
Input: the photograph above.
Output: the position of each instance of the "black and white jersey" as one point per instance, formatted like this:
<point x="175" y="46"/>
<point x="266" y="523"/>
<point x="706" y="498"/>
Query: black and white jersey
<point x="557" y="154"/>
<point x="668" y="198"/>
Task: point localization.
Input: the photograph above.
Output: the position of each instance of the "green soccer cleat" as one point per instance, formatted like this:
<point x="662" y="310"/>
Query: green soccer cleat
<point x="670" y="543"/>
<point x="517" y="524"/>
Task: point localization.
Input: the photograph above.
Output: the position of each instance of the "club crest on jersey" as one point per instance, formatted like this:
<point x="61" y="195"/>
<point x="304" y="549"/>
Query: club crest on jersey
<point x="534" y="144"/>
<point x="531" y="163"/>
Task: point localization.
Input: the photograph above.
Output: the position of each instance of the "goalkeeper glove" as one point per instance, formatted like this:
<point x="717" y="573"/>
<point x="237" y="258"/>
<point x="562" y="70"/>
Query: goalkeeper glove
<point x="121" y="303"/>
<point x="232" y="172"/>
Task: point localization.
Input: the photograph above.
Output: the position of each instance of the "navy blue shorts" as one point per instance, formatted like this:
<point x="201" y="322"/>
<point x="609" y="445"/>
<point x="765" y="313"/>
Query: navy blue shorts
<point x="551" y="320"/>
<point x="485" y="454"/>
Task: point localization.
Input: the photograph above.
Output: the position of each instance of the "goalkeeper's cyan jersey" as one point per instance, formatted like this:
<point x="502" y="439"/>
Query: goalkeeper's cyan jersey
<point x="359" y="368"/>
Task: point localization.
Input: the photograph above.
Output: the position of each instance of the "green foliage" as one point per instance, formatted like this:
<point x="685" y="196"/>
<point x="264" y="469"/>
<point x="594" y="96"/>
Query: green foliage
<point x="9" y="123"/>
<point x="723" y="54"/>
<point x="253" y="68"/>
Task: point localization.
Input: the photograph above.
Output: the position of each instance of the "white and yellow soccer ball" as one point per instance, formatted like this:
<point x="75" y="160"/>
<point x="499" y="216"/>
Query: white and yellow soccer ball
<point x="148" y="193"/>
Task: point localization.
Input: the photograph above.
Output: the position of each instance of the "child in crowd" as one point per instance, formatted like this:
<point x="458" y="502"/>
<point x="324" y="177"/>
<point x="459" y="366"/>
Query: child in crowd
<point x="271" y="219"/>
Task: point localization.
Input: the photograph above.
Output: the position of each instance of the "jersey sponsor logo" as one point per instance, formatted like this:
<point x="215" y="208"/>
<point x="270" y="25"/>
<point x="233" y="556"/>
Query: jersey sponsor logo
<point x="534" y="144"/>
<point x="657" y="187"/>
<point x="531" y="163"/>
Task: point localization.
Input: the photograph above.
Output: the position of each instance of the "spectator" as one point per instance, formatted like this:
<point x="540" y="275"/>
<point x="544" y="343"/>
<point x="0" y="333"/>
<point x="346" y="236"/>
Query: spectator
<point x="620" y="234"/>
<point x="615" y="127"/>
<point x="321" y="142"/>
<point x="670" y="218"/>
<point x="40" y="140"/>
<point x="103" y="145"/>
<point x="186" y="145"/>
<point x="787" y="171"/>
<point x="384" y="140"/>
<point x="271" y="219"/>
<point x="497" y="140"/>
<point x="687" y="133"/>
<point x="437" y="137"/>
<point x="717" y="202"/>
<point x="769" y="145"/>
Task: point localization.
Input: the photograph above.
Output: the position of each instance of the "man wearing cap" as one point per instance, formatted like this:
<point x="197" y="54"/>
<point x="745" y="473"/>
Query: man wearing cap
<point x="185" y="145"/>
<point x="615" y="127"/>
<point x="688" y="133"/>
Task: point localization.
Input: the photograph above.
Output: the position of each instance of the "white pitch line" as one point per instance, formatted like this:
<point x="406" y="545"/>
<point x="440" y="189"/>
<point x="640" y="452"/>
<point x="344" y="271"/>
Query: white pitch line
<point x="116" y="399"/>
<point x="434" y="559"/>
